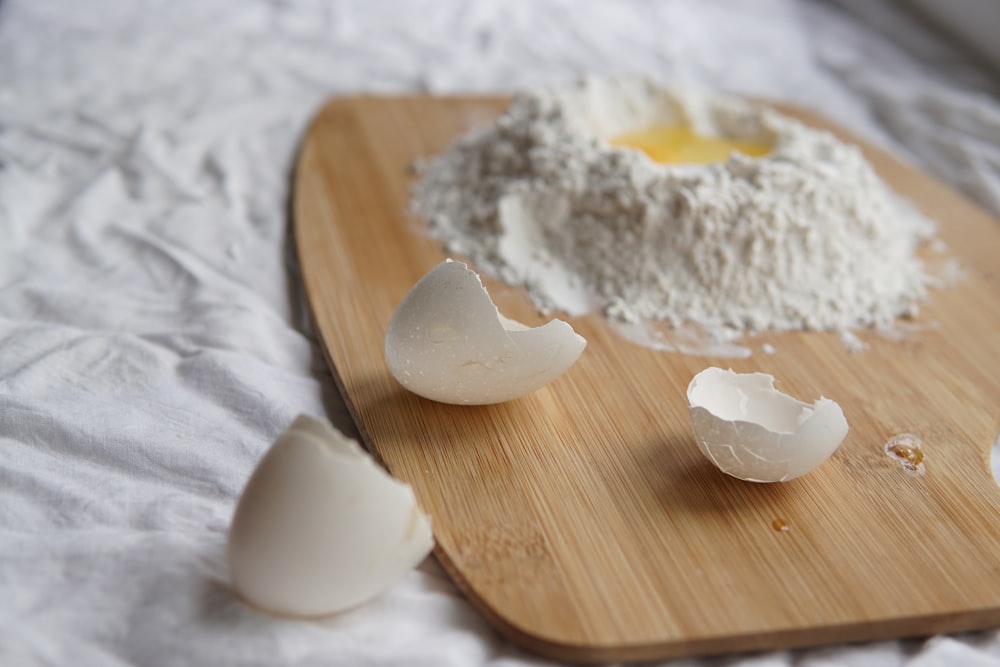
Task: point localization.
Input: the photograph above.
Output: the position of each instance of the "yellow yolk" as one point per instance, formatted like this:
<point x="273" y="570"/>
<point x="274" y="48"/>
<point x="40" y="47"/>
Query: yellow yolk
<point x="669" y="144"/>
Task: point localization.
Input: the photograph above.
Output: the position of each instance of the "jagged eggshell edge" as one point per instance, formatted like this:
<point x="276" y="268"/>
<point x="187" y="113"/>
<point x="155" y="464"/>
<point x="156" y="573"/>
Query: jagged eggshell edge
<point x="783" y="439"/>
<point x="321" y="527"/>
<point x="448" y="342"/>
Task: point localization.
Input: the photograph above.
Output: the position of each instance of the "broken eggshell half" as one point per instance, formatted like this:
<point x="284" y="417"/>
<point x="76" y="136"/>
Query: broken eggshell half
<point x="321" y="527"/>
<point x="752" y="431"/>
<point x="448" y="342"/>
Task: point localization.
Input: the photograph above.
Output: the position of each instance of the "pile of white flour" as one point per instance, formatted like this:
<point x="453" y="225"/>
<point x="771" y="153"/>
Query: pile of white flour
<point x="806" y="237"/>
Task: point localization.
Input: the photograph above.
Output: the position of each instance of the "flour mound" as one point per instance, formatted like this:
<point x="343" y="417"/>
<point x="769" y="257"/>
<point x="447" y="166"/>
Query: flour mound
<point x="806" y="237"/>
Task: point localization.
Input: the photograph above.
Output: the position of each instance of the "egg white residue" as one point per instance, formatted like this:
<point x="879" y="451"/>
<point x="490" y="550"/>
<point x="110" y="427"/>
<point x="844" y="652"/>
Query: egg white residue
<point x="752" y="431"/>
<point x="908" y="450"/>
<point x="448" y="342"/>
<point x="321" y="527"/>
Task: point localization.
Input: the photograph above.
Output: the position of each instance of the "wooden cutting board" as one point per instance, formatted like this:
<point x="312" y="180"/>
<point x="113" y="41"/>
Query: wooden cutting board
<point x="582" y="520"/>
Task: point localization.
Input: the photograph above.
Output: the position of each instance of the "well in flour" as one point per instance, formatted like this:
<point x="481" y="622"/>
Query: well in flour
<point x="804" y="237"/>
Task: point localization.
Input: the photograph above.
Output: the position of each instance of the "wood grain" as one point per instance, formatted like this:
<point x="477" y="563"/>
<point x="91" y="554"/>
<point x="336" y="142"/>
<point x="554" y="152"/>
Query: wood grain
<point x="583" y="521"/>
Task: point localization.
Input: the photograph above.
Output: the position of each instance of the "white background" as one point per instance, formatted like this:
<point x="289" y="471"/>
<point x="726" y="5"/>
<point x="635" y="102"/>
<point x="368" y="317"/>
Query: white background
<point x="152" y="337"/>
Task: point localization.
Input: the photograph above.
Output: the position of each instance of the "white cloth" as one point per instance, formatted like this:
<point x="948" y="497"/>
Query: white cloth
<point x="152" y="337"/>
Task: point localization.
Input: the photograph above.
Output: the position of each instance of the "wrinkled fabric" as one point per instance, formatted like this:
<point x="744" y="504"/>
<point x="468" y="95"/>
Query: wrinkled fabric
<point x="153" y="340"/>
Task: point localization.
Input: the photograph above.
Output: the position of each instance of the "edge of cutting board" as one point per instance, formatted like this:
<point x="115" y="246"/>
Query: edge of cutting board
<point x="937" y="201"/>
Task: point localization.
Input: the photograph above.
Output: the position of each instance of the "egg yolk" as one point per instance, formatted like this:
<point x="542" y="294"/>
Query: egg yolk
<point x="671" y="144"/>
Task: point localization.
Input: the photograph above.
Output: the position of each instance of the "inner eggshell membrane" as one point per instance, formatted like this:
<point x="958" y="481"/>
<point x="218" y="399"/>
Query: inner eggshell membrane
<point x="752" y="431"/>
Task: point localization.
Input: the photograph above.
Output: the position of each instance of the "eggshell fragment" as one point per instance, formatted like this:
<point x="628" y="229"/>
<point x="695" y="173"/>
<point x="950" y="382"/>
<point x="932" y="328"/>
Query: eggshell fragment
<point x="448" y="342"/>
<point x="320" y="527"/>
<point x="752" y="431"/>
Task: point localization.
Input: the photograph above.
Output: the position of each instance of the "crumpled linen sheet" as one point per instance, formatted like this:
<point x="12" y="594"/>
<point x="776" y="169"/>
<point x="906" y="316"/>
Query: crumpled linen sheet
<point x="153" y="340"/>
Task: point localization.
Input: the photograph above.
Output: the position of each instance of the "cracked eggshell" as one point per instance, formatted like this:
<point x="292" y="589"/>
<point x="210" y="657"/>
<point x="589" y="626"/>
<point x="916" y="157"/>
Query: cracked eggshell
<point x="448" y="342"/>
<point x="321" y="527"/>
<point x="752" y="431"/>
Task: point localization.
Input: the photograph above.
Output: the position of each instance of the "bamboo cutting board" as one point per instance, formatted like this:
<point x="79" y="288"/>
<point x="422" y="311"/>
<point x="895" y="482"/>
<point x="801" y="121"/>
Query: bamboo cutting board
<point x="582" y="519"/>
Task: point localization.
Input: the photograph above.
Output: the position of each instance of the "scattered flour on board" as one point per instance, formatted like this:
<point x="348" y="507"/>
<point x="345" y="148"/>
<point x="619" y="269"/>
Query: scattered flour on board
<point x="806" y="237"/>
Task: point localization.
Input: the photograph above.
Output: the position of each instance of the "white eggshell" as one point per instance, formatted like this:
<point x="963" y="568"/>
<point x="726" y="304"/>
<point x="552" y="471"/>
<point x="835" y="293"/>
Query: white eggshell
<point x="448" y="342"/>
<point x="752" y="431"/>
<point x="321" y="527"/>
